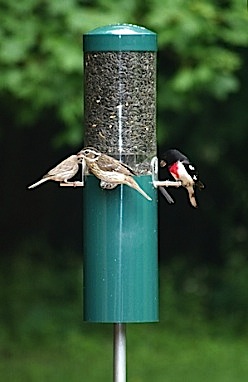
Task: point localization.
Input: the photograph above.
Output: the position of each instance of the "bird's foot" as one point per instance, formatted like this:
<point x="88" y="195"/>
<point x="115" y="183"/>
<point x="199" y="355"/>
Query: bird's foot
<point x="78" y="184"/>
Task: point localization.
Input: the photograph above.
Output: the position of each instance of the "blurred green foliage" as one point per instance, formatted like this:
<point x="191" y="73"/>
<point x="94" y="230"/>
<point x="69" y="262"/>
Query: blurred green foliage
<point x="41" y="59"/>
<point x="202" y="109"/>
<point x="202" y="81"/>
<point x="202" y="84"/>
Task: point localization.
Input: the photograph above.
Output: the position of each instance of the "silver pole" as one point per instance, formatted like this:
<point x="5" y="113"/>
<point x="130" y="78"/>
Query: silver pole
<point x="119" y="352"/>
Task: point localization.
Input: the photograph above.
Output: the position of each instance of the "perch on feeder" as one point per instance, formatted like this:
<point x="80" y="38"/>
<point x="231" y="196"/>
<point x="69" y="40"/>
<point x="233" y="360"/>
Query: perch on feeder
<point x="109" y="170"/>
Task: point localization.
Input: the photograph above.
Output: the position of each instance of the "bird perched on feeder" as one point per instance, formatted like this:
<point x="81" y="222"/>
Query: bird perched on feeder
<point x="62" y="172"/>
<point x="109" y="170"/>
<point x="182" y="170"/>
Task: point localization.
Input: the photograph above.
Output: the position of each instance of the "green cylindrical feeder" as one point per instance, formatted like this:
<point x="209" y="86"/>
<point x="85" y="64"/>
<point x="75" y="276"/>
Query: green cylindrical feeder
<point x="120" y="225"/>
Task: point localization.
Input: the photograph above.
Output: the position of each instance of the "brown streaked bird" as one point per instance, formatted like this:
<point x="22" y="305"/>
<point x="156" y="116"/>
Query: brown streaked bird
<point x="109" y="170"/>
<point x="62" y="172"/>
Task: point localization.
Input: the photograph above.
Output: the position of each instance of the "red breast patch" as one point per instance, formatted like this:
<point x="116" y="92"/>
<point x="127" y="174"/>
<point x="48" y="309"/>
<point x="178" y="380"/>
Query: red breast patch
<point x="174" y="170"/>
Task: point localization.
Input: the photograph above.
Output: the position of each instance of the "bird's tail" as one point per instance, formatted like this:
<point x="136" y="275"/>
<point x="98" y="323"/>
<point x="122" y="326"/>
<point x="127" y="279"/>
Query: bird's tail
<point x="166" y="195"/>
<point x="131" y="182"/>
<point x="39" y="182"/>
<point x="192" y="198"/>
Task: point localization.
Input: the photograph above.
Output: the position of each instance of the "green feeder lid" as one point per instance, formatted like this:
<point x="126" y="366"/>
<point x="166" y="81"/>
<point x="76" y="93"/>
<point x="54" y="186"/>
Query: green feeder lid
<point x="120" y="37"/>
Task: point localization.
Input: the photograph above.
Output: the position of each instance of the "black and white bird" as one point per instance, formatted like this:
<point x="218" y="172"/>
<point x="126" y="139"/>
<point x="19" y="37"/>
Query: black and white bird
<point x="180" y="167"/>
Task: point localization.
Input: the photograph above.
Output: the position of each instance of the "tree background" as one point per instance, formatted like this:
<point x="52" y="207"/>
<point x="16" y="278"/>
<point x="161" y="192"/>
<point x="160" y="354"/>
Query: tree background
<point x="202" y="110"/>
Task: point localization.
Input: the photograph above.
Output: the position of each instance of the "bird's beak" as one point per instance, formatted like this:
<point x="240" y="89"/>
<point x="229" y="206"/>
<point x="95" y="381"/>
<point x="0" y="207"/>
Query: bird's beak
<point x="162" y="163"/>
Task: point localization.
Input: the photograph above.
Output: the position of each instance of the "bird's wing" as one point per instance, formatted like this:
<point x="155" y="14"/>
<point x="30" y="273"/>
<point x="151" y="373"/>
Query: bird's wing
<point x="191" y="170"/>
<point x="194" y="174"/>
<point x="64" y="166"/>
<point x="108" y="163"/>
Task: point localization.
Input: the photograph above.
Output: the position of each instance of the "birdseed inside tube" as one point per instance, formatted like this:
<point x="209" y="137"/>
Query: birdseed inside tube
<point x="120" y="105"/>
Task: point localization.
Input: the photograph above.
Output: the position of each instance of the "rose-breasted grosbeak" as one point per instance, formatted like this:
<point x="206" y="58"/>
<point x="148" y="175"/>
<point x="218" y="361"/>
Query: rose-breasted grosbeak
<point x="182" y="170"/>
<point x="109" y="170"/>
<point x="62" y="172"/>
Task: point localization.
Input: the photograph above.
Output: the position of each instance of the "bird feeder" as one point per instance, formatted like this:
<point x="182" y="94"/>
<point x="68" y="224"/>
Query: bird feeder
<point x="120" y="225"/>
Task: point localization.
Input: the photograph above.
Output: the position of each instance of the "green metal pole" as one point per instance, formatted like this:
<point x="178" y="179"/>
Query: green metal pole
<point x="119" y="371"/>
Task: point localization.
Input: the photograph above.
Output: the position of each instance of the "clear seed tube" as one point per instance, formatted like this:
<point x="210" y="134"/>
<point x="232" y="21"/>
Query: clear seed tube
<point x="120" y="94"/>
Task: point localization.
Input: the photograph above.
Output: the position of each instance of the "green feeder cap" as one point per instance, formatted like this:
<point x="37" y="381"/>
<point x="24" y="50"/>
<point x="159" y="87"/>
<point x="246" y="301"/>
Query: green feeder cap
<point x="120" y="37"/>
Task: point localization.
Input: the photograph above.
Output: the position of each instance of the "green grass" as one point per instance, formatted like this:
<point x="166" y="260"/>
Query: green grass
<point x="74" y="358"/>
<point x="174" y="357"/>
<point x="43" y="337"/>
<point x="153" y="354"/>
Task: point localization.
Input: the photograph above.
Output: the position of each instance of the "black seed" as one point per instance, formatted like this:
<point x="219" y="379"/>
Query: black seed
<point x="120" y="106"/>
